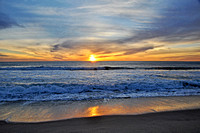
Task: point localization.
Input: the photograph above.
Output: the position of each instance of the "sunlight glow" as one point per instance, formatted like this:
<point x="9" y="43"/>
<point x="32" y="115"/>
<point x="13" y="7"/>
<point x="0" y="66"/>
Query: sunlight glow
<point x="92" y="58"/>
<point x="93" y="111"/>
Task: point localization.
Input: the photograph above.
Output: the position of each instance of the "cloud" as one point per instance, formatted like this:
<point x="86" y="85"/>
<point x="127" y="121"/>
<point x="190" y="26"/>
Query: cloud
<point x="70" y="44"/>
<point x="168" y="22"/>
<point x="101" y="48"/>
<point x="130" y="21"/>
<point x="6" y="21"/>
<point x="55" y="48"/>
<point x="17" y="52"/>
<point x="178" y="22"/>
<point x="102" y="27"/>
<point x="184" y="57"/>
<point x="2" y="55"/>
<point x="137" y="50"/>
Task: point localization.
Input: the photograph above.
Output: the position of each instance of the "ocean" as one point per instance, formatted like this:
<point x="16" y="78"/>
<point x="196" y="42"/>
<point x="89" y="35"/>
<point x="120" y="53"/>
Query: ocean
<point x="77" y="81"/>
<point x="49" y="91"/>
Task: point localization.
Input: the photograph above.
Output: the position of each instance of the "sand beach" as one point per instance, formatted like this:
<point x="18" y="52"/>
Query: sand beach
<point x="141" y="115"/>
<point x="185" y="121"/>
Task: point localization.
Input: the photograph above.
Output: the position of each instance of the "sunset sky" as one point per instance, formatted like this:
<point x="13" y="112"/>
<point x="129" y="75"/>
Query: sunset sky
<point x="110" y="30"/>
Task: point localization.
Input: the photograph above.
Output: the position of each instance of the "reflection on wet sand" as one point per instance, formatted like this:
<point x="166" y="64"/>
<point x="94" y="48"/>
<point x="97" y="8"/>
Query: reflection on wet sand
<point x="48" y="111"/>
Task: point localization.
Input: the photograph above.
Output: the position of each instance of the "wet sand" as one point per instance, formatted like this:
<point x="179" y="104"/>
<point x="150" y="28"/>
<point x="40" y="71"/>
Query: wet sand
<point x="185" y="121"/>
<point x="62" y="110"/>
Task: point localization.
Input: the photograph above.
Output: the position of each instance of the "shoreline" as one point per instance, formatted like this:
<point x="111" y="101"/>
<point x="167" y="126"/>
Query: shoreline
<point x="98" y="116"/>
<point x="185" y="121"/>
<point x="63" y="110"/>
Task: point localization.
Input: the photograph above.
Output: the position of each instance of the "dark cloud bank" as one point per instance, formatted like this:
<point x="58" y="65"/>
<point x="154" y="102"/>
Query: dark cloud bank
<point x="6" y="21"/>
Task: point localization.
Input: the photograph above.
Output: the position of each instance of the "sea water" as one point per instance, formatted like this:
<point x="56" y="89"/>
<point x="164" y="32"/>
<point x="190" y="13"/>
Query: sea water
<point x="48" y="91"/>
<point x="76" y="81"/>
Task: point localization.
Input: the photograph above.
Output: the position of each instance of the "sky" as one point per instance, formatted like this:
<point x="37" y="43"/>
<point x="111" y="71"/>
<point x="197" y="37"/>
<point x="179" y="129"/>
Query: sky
<point x="110" y="30"/>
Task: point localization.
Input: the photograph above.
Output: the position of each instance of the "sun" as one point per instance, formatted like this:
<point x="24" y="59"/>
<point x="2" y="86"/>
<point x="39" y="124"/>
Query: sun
<point x="92" y="58"/>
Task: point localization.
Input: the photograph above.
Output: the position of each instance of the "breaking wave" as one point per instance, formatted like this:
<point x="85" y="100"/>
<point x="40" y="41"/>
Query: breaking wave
<point x="74" y="92"/>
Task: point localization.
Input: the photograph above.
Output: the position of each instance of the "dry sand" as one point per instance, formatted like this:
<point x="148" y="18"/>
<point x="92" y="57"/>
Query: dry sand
<point x="187" y="121"/>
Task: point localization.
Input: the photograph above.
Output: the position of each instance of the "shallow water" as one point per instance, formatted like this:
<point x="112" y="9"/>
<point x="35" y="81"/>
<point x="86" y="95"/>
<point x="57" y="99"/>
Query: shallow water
<point x="51" y="111"/>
